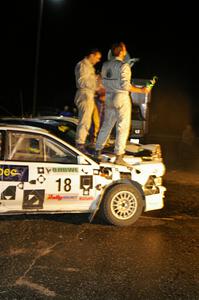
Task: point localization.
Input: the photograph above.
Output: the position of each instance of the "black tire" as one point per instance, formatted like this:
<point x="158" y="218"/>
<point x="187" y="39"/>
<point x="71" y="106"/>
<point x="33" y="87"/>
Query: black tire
<point x="122" y="205"/>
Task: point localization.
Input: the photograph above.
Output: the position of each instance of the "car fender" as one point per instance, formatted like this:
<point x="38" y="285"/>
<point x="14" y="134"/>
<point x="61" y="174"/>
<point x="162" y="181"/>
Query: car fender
<point x="109" y="186"/>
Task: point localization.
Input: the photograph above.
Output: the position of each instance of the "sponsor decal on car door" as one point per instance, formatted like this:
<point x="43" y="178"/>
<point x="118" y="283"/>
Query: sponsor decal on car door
<point x="68" y="187"/>
<point x="12" y="179"/>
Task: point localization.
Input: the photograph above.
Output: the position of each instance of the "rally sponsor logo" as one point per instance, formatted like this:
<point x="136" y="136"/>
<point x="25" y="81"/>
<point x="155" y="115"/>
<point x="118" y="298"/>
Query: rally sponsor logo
<point x="62" y="197"/>
<point x="13" y="173"/>
<point x="86" y="198"/>
<point x="65" y="170"/>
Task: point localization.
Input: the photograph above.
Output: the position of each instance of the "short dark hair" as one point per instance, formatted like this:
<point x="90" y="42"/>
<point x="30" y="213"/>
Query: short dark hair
<point x="93" y="51"/>
<point x="117" y="48"/>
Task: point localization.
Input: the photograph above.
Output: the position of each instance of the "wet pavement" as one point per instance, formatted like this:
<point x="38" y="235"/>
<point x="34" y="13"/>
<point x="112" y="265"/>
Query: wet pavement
<point x="66" y="257"/>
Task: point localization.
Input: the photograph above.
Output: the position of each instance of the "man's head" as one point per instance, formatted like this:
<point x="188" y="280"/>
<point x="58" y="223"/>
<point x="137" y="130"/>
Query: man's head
<point x="119" y="50"/>
<point x="94" y="56"/>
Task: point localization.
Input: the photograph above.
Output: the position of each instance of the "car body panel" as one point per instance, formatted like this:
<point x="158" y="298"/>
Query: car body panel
<point x="42" y="173"/>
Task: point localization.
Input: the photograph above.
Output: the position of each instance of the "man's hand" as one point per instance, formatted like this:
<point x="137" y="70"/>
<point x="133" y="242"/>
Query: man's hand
<point x="146" y="89"/>
<point x="152" y="83"/>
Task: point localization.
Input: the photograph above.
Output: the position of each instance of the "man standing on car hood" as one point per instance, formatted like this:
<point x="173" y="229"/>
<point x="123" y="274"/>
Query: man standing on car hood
<point x="86" y="84"/>
<point x="116" y="78"/>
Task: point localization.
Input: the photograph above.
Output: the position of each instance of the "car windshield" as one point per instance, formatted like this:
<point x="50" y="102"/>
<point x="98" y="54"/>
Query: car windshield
<point x="62" y="129"/>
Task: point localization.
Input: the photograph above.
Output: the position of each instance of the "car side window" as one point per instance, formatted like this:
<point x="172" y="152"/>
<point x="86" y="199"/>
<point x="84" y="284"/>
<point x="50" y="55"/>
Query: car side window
<point x="55" y="152"/>
<point x="24" y="147"/>
<point x="36" y="147"/>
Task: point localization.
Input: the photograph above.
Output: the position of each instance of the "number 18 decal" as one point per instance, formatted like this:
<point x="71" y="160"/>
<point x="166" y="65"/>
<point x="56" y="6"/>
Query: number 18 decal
<point x="64" y="184"/>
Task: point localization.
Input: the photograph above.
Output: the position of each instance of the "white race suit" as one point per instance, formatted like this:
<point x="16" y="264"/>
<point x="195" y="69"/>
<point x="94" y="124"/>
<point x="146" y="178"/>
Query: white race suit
<point x="84" y="99"/>
<point x="116" y="78"/>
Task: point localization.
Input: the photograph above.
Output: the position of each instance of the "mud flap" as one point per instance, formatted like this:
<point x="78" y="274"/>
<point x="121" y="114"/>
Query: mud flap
<point x="92" y="215"/>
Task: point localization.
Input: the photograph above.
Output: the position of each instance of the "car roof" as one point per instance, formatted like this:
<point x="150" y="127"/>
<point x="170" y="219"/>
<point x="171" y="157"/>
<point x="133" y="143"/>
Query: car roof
<point x="44" y="122"/>
<point x="27" y="121"/>
<point x="52" y="126"/>
<point x="25" y="127"/>
<point x="59" y="118"/>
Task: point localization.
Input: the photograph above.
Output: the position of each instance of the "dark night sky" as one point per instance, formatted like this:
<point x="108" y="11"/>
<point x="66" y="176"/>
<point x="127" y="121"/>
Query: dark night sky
<point x="164" y="37"/>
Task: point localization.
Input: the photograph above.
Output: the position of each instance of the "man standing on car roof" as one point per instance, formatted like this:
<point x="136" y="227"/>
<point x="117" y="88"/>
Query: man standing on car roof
<point x="86" y="84"/>
<point x="116" y="78"/>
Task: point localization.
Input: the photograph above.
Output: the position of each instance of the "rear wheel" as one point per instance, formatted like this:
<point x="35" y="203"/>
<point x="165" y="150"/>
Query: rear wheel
<point x="122" y="204"/>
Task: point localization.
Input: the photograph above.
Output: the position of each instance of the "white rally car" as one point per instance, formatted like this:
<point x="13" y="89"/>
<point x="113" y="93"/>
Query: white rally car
<point x="65" y="128"/>
<point x="42" y="173"/>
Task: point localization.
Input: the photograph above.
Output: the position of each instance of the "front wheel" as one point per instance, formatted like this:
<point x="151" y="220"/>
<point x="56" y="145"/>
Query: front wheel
<point x="122" y="205"/>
